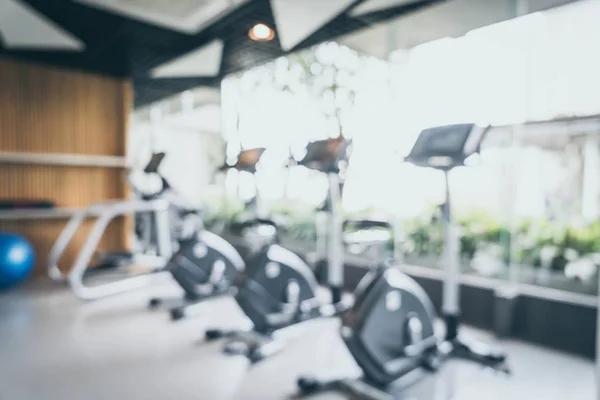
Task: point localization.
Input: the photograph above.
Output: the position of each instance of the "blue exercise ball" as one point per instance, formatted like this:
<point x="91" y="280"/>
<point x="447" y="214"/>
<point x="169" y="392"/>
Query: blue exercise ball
<point x="16" y="259"/>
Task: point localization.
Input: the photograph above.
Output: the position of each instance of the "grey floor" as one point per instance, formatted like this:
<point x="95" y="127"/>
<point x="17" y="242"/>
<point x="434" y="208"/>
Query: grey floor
<point x="52" y="346"/>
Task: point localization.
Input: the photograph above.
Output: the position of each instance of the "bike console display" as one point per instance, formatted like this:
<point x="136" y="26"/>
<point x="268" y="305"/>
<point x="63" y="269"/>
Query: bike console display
<point x="323" y="155"/>
<point x="154" y="163"/>
<point x="446" y="147"/>
<point x="246" y="161"/>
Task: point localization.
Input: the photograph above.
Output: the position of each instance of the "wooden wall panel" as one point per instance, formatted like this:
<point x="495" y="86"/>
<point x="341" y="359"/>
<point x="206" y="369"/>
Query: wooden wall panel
<point x="55" y="111"/>
<point x="66" y="186"/>
<point x="49" y="111"/>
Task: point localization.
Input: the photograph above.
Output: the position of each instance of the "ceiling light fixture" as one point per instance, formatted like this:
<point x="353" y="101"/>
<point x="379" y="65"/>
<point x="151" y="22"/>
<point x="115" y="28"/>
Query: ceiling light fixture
<point x="261" y="33"/>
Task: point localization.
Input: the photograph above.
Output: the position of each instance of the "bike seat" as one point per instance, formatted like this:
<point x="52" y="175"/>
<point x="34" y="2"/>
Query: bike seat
<point x="239" y="226"/>
<point x="366" y="231"/>
<point x="362" y="224"/>
<point x="184" y="212"/>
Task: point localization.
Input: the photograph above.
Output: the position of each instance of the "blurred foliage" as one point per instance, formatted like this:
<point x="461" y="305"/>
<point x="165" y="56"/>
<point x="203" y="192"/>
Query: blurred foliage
<point x="215" y="152"/>
<point x="296" y="220"/>
<point x="530" y="237"/>
<point x="567" y="242"/>
<point x="220" y="209"/>
<point x="479" y="229"/>
<point x="424" y="235"/>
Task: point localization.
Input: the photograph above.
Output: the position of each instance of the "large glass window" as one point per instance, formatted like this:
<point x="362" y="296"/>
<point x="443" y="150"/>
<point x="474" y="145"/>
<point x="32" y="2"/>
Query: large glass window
<point x="528" y="211"/>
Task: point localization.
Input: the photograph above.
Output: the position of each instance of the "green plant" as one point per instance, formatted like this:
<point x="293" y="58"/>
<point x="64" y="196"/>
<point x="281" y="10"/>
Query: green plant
<point x="480" y="229"/>
<point x="530" y="237"/>
<point x="423" y="236"/>
<point x="526" y="243"/>
<point x="301" y="230"/>
<point x="566" y="240"/>
<point x="219" y="209"/>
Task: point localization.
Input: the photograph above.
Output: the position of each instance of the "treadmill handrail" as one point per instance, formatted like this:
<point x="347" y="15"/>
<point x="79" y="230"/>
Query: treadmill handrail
<point x="85" y="255"/>
<point x="66" y="235"/>
<point x="105" y="212"/>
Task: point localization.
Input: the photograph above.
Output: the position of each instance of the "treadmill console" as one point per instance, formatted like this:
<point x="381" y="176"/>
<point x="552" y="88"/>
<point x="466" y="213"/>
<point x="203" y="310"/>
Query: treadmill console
<point x="446" y="147"/>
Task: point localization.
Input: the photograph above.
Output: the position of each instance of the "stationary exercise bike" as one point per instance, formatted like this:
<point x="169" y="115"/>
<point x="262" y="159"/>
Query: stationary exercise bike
<point x="278" y="289"/>
<point x="162" y="219"/>
<point x="206" y="265"/>
<point x="390" y="330"/>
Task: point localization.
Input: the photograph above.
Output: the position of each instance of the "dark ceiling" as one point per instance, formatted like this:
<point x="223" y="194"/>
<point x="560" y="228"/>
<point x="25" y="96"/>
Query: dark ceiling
<point x="124" y="47"/>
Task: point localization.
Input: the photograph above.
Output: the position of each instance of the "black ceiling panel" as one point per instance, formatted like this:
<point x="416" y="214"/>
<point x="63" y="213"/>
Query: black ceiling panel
<point x="125" y="47"/>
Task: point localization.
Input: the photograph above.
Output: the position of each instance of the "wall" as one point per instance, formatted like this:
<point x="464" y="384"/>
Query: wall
<point x="51" y="111"/>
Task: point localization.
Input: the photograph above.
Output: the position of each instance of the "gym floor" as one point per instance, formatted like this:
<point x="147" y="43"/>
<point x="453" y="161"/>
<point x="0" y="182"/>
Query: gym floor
<point x="54" y="347"/>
